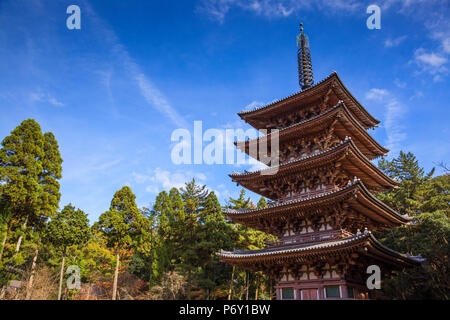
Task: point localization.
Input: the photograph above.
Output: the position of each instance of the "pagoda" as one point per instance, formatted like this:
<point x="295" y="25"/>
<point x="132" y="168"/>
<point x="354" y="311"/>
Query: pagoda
<point x="322" y="206"/>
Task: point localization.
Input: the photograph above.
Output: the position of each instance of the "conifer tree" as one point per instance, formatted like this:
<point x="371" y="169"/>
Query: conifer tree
<point x="68" y="227"/>
<point x="405" y="169"/>
<point x="119" y="225"/>
<point x="30" y="165"/>
<point x="427" y="200"/>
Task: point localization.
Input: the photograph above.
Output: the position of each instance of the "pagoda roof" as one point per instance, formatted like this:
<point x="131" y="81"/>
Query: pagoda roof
<point x="339" y="116"/>
<point x="352" y="159"/>
<point x="354" y="193"/>
<point x="320" y="88"/>
<point x="322" y="249"/>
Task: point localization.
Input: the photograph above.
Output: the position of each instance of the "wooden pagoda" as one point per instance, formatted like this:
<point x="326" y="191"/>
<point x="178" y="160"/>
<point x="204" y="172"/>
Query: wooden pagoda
<point x="322" y="204"/>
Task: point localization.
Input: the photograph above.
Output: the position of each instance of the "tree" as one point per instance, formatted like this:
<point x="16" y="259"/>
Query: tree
<point x="247" y="239"/>
<point x="30" y="165"/>
<point x="427" y="200"/>
<point x="213" y="234"/>
<point x="405" y="168"/>
<point x="147" y="239"/>
<point x="68" y="227"/>
<point x="194" y="197"/>
<point x="262" y="203"/>
<point x="119" y="225"/>
<point x="5" y="217"/>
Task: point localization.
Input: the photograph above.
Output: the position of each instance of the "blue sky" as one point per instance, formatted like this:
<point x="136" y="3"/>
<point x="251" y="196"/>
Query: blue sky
<point x="114" y="91"/>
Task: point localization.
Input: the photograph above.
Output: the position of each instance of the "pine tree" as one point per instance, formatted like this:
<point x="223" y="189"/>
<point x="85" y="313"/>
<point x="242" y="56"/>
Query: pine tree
<point x="214" y="234"/>
<point x="427" y="200"/>
<point x="262" y="203"/>
<point x="194" y="197"/>
<point x="405" y="169"/>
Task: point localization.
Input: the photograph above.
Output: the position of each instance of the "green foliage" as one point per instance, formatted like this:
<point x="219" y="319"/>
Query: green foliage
<point x="427" y="200"/>
<point x="406" y="169"/>
<point x="119" y="224"/>
<point x="30" y="165"/>
<point x="68" y="227"/>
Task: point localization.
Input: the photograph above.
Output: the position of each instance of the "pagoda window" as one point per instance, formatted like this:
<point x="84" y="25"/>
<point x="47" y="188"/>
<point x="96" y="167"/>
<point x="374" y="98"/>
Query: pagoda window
<point x="350" y="292"/>
<point x="332" y="292"/>
<point x="287" y="293"/>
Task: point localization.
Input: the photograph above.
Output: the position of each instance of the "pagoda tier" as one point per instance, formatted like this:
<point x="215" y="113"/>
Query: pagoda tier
<point x="334" y="214"/>
<point x="317" y="173"/>
<point x="317" y="134"/>
<point x="330" y="269"/>
<point x="306" y="104"/>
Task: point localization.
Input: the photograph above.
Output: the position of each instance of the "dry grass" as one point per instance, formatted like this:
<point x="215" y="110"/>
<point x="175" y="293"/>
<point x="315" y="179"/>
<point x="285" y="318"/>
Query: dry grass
<point x="45" y="286"/>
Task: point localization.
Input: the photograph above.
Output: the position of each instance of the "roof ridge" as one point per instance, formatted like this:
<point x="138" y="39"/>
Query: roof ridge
<point x="294" y="94"/>
<point x="320" y="195"/>
<point x="308" y="156"/>
<point x="337" y="105"/>
<point x="299" y="248"/>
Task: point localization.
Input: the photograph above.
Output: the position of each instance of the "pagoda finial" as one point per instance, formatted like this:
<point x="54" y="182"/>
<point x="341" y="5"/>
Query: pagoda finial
<point x="305" y="74"/>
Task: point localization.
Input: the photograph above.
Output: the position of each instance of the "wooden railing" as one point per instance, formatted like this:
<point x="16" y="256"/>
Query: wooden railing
<point x="309" y="238"/>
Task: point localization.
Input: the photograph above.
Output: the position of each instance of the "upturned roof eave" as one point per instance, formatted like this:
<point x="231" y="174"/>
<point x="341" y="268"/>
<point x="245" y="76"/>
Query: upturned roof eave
<point x="357" y="185"/>
<point x="321" y="117"/>
<point x="237" y="177"/>
<point x="250" y="113"/>
<point x="365" y="239"/>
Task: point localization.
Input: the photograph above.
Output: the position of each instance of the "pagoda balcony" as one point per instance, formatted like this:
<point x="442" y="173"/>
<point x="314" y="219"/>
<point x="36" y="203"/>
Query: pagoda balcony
<point x="306" y="195"/>
<point x="311" y="237"/>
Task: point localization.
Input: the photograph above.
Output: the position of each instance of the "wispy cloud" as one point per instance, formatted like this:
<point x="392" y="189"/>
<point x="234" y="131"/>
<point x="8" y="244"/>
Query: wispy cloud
<point x="155" y="97"/>
<point x="394" y="111"/>
<point x="218" y="9"/>
<point x="389" y="43"/>
<point x="376" y="94"/>
<point x="431" y="62"/>
<point x="44" y="97"/>
<point x="431" y="59"/>
<point x="152" y="95"/>
<point x="400" y="84"/>
<point x="160" y="179"/>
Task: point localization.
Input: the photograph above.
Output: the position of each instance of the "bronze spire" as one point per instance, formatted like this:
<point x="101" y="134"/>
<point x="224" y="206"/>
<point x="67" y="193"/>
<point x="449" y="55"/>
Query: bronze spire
<point x="305" y="74"/>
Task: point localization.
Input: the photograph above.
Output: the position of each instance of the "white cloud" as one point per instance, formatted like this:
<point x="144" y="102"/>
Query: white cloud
<point x="394" y="42"/>
<point x="252" y="105"/>
<point x="400" y="84"/>
<point x="394" y="111"/>
<point x="160" y="179"/>
<point x="446" y="45"/>
<point x="432" y="63"/>
<point x="218" y="9"/>
<point x="376" y="94"/>
<point x="431" y="59"/>
<point x="45" y="98"/>
<point x="152" y="95"/>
